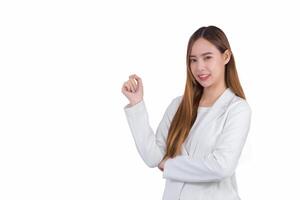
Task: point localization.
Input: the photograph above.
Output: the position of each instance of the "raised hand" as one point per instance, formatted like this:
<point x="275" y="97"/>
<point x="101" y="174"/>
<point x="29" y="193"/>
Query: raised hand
<point x="133" y="89"/>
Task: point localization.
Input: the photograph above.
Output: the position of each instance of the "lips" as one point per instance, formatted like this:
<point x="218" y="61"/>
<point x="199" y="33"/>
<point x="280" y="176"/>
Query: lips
<point x="203" y="77"/>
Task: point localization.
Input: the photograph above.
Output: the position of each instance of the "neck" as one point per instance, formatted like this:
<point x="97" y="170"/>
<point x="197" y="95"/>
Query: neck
<point x="211" y="94"/>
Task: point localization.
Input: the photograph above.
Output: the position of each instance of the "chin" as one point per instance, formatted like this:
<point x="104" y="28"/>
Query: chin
<point x="205" y="85"/>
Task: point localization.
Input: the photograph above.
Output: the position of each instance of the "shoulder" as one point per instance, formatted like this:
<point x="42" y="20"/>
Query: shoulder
<point x="238" y="104"/>
<point x="174" y="104"/>
<point x="177" y="99"/>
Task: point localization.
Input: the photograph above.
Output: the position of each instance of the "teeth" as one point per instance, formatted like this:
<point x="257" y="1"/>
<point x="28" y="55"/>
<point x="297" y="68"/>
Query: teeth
<point x="203" y="76"/>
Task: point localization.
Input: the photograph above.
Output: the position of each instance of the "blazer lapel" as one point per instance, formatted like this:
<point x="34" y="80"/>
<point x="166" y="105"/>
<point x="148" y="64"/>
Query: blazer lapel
<point x="218" y="108"/>
<point x="216" y="111"/>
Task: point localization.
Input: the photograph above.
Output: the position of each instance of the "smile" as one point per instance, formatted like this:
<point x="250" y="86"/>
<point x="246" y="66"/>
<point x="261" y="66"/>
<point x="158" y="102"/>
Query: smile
<point x="204" y="77"/>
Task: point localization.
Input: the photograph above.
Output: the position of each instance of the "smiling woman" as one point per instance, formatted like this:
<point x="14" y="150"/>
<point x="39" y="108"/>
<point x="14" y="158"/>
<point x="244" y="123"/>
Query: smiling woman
<point x="200" y="138"/>
<point x="207" y="62"/>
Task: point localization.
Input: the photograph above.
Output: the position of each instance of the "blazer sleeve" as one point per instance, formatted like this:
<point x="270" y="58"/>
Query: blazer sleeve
<point x="221" y="162"/>
<point x="150" y="146"/>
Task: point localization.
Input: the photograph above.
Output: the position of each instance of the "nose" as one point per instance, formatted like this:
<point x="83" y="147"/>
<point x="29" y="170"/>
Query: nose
<point x="200" y="65"/>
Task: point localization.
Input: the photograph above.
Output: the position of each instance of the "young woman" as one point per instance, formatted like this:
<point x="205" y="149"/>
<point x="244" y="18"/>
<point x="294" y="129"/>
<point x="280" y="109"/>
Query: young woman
<point x="200" y="138"/>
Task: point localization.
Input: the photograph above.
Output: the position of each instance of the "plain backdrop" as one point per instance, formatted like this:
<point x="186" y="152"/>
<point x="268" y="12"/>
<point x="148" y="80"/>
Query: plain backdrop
<point x="63" y="131"/>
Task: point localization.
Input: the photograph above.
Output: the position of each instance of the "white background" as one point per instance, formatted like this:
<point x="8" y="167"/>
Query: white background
<point x="63" y="131"/>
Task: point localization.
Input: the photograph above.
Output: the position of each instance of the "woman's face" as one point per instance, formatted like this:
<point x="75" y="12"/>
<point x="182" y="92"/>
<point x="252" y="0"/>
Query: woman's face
<point x="207" y="63"/>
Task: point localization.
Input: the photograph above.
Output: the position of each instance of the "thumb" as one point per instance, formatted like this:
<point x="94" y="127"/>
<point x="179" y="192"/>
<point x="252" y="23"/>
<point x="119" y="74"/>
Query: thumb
<point x="139" y="80"/>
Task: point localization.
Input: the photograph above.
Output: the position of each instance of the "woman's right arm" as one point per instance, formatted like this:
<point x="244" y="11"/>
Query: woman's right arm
<point x="151" y="147"/>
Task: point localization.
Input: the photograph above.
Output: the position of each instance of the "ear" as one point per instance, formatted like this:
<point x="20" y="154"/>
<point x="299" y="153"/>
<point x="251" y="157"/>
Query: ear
<point x="226" y="56"/>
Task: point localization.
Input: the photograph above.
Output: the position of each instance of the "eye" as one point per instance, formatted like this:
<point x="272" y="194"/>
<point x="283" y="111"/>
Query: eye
<point x="193" y="60"/>
<point x="207" y="57"/>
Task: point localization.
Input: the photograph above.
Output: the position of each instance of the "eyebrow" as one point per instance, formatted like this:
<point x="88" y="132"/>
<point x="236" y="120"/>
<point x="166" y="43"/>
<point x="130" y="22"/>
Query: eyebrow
<point x="204" y="54"/>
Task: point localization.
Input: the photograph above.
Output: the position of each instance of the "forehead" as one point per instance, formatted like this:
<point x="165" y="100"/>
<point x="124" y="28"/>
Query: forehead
<point x="202" y="46"/>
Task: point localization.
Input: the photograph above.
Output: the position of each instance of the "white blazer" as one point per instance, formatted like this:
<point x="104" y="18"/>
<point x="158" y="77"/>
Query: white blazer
<point x="206" y="168"/>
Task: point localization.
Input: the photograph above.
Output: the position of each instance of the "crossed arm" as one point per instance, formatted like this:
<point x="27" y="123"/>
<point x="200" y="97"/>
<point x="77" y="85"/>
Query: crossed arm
<point x="220" y="163"/>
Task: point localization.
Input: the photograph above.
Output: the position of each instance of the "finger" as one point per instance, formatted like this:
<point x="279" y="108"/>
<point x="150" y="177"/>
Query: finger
<point x="136" y="77"/>
<point x="130" y="82"/>
<point x="133" y="83"/>
<point x="138" y="80"/>
<point x="132" y="75"/>
<point x="126" y="87"/>
<point x="130" y="85"/>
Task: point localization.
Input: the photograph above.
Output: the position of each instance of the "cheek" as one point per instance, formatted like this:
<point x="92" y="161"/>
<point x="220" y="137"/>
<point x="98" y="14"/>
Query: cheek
<point x="216" y="68"/>
<point x="193" y="69"/>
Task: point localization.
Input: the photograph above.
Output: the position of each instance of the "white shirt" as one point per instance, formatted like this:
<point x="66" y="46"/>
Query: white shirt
<point x="202" y="111"/>
<point x="210" y="154"/>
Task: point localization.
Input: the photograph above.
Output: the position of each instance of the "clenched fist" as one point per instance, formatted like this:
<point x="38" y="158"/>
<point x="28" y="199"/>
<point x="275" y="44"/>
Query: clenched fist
<point x="133" y="89"/>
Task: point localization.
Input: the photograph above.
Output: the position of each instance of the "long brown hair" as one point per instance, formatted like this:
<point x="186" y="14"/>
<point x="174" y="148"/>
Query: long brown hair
<point x="187" y="111"/>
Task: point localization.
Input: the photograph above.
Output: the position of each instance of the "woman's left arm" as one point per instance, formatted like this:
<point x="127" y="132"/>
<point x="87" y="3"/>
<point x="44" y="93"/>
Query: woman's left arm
<point x="222" y="161"/>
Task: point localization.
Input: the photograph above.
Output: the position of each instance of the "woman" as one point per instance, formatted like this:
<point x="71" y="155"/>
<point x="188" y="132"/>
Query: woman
<point x="200" y="138"/>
